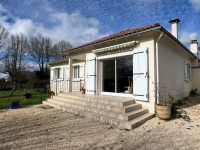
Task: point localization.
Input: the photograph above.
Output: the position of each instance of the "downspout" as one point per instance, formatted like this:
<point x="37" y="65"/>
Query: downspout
<point x="156" y="68"/>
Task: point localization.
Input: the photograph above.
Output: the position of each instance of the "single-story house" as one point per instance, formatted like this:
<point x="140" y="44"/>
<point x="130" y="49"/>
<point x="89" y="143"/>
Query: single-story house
<point x="130" y="63"/>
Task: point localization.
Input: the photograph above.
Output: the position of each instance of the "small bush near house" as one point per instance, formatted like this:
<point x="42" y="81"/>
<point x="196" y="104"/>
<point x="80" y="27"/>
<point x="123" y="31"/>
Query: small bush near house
<point x="193" y="92"/>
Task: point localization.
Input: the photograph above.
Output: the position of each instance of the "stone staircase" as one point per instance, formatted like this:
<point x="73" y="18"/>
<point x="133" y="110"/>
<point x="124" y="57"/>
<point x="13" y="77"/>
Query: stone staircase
<point x="122" y="112"/>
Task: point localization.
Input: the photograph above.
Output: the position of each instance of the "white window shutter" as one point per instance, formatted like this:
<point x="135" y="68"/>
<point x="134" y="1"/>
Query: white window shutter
<point x="67" y="72"/>
<point x="140" y="74"/>
<point x="52" y="74"/>
<point x="61" y="73"/>
<point x="185" y="71"/>
<point x="91" y="75"/>
<point x="81" y="71"/>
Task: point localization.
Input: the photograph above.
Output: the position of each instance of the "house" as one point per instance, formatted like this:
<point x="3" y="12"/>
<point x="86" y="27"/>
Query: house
<point x="130" y="63"/>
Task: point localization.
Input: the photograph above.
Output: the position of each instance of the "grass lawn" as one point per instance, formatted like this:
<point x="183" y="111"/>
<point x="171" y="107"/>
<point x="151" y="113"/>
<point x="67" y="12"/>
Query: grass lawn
<point x="36" y="98"/>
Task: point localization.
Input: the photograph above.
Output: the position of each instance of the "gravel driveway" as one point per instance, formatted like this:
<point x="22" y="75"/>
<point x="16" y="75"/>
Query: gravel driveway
<point x="43" y="127"/>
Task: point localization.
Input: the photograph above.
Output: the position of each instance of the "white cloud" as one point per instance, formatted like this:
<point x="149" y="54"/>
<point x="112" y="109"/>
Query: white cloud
<point x="25" y="26"/>
<point x="195" y="4"/>
<point x="74" y="27"/>
<point x="2" y="75"/>
<point x="186" y="37"/>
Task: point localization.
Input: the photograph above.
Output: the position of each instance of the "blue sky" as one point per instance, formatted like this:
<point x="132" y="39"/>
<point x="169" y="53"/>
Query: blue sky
<point x="81" y="21"/>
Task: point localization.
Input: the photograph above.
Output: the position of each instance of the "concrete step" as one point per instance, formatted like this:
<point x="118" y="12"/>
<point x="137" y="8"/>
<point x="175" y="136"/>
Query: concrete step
<point x="138" y="120"/>
<point x="101" y="111"/>
<point x="111" y="100"/>
<point x="123" y="109"/>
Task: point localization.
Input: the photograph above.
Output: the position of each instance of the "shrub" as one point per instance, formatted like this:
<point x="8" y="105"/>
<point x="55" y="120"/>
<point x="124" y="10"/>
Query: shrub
<point x="27" y="95"/>
<point x="193" y="92"/>
<point x="14" y="100"/>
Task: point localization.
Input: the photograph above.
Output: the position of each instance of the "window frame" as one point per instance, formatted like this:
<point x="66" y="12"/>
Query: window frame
<point x="187" y="71"/>
<point x="76" y="72"/>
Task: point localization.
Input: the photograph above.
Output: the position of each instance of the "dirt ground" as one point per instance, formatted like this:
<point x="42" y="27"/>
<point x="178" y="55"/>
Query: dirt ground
<point x="43" y="127"/>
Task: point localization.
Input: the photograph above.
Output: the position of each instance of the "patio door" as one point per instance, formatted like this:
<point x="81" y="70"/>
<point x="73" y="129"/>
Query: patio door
<point x="117" y="75"/>
<point x="140" y="74"/>
<point x="91" y="76"/>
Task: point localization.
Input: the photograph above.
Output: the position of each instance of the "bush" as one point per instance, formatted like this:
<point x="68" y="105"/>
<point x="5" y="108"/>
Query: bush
<point x="14" y="100"/>
<point x="27" y="95"/>
<point x="193" y="92"/>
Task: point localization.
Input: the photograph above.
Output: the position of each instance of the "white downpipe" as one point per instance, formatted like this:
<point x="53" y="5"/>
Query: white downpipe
<point x="156" y="67"/>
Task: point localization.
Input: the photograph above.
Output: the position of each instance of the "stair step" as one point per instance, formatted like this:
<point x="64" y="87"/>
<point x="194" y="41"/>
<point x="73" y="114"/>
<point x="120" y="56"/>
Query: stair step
<point x="103" y="118"/>
<point x="112" y="100"/>
<point x="122" y="109"/>
<point x="122" y="112"/>
<point x="139" y="121"/>
<point x="101" y="111"/>
<point x="134" y="114"/>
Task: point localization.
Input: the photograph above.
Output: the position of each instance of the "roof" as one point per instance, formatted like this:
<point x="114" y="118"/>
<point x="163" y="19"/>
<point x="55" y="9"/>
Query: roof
<point x="130" y="32"/>
<point x="116" y="35"/>
<point x="57" y="61"/>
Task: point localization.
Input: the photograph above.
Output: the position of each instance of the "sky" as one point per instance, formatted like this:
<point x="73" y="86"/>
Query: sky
<point x="81" y="21"/>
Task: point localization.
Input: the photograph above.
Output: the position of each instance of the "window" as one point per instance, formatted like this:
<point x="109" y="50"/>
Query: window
<point x="187" y="72"/>
<point x="76" y="71"/>
<point x="59" y="73"/>
<point x="117" y="74"/>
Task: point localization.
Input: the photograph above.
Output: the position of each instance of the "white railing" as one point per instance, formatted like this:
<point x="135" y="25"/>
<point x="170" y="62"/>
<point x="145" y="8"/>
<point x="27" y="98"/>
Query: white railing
<point x="57" y="85"/>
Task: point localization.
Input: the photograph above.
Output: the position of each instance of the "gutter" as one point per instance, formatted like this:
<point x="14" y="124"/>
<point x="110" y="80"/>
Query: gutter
<point x="156" y="68"/>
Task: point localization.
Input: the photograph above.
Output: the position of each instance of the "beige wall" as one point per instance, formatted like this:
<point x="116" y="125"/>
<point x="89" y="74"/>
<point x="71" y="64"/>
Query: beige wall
<point x="171" y="68"/>
<point x="196" y="79"/>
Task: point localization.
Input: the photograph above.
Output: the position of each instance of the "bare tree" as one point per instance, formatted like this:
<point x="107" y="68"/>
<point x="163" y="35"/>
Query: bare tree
<point x="41" y="51"/>
<point x="3" y="36"/>
<point x="14" y="63"/>
<point x="60" y="48"/>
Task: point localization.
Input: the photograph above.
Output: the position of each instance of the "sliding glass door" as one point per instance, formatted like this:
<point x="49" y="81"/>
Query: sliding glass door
<point x="117" y="75"/>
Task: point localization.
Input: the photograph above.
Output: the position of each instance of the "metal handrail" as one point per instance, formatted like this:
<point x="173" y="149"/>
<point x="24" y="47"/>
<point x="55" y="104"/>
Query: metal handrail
<point x="42" y="89"/>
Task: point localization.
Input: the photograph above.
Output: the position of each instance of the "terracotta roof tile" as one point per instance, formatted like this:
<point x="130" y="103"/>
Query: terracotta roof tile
<point x="57" y="61"/>
<point x="116" y="35"/>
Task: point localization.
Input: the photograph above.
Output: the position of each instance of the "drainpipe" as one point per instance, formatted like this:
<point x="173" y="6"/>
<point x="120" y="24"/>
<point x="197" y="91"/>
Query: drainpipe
<point x="156" y="68"/>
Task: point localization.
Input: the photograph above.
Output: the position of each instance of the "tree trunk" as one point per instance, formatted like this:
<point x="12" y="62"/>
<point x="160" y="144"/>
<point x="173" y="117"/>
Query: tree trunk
<point x="14" y="87"/>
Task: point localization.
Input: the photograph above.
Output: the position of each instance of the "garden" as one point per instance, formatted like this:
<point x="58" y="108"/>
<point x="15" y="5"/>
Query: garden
<point x="34" y="97"/>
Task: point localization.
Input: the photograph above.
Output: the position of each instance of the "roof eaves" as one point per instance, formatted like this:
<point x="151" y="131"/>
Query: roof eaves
<point x="57" y="61"/>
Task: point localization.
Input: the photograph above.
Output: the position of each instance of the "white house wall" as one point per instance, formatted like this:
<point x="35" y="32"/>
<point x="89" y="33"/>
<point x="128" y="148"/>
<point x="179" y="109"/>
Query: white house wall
<point x="171" y="69"/>
<point x="196" y="79"/>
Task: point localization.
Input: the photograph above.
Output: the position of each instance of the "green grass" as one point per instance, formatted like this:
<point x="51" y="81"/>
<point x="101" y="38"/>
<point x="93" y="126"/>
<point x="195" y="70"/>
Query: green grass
<point x="36" y="98"/>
